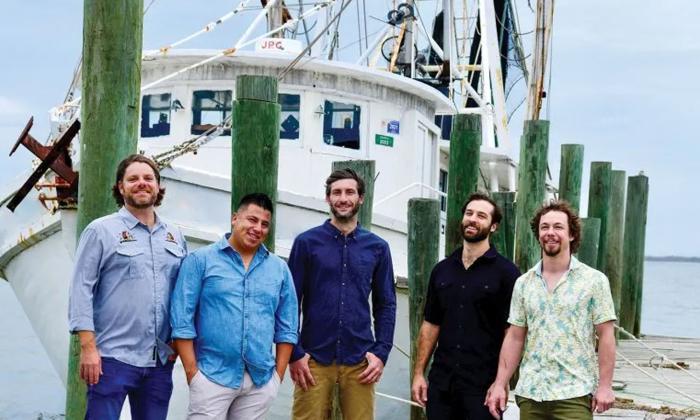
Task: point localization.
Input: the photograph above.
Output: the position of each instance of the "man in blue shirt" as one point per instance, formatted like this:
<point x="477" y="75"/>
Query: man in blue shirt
<point x="233" y="300"/>
<point x="125" y="266"/>
<point x="335" y="268"/>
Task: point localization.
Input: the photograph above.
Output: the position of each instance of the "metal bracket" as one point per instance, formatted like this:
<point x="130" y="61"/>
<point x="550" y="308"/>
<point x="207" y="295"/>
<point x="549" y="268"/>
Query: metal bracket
<point x="55" y="157"/>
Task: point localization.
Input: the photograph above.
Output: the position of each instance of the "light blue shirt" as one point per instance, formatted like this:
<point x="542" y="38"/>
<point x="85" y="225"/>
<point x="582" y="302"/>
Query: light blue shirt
<point x="234" y="316"/>
<point x="123" y="277"/>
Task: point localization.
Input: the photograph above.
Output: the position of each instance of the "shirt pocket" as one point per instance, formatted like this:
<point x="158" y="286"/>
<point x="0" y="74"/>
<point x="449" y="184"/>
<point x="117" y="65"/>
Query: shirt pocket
<point x="130" y="257"/>
<point x="174" y="254"/>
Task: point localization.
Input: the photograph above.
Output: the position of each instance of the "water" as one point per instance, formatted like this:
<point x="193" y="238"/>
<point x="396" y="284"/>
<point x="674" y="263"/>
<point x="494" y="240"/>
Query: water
<point x="30" y="389"/>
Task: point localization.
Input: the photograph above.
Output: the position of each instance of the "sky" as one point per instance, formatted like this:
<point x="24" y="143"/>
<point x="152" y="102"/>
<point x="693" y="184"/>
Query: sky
<point x="623" y="84"/>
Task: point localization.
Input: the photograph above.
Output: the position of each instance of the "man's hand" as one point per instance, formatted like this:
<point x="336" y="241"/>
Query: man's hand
<point x="301" y="374"/>
<point x="374" y="370"/>
<point x="419" y="390"/>
<point x="90" y="364"/>
<point x="189" y="373"/>
<point x="603" y="399"/>
<point x="497" y="399"/>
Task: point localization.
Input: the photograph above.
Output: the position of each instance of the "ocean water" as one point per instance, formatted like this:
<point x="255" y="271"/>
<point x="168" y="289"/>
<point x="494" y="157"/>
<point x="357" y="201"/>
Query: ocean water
<point x="30" y="389"/>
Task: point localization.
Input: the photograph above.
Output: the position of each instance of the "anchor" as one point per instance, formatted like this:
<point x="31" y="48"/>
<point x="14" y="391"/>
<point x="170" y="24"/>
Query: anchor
<point x="54" y="157"/>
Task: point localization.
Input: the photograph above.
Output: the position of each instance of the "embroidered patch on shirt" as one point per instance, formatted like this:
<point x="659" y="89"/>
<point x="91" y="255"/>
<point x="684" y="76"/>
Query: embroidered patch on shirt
<point x="126" y="236"/>
<point x="170" y="238"/>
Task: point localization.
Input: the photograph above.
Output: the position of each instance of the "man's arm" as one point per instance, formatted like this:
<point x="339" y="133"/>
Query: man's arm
<point x="427" y="338"/>
<point x="604" y="397"/>
<point x="286" y="323"/>
<point x="183" y="306"/>
<point x="282" y="353"/>
<point x="297" y="263"/>
<point x="185" y="349"/>
<point x="511" y="351"/>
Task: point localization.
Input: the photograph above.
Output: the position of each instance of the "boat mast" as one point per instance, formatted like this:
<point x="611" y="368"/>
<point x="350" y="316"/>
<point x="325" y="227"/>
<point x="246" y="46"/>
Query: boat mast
<point x="536" y="93"/>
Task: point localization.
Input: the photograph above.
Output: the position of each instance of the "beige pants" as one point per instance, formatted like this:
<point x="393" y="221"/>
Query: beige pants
<point x="209" y="400"/>
<point x="356" y="399"/>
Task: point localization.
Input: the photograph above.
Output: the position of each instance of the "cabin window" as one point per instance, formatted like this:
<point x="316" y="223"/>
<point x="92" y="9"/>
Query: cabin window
<point x="210" y="108"/>
<point x="289" y="117"/>
<point x="155" y="115"/>
<point x="341" y="125"/>
<point x="442" y="185"/>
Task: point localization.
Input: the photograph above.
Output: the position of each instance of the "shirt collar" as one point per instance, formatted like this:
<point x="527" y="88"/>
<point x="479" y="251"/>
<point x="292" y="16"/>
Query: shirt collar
<point x="490" y="253"/>
<point x="335" y="232"/>
<point x="131" y="220"/>
<point x="224" y="243"/>
<point x="574" y="263"/>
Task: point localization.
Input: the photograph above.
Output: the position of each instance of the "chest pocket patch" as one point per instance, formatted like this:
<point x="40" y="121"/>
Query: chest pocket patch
<point x="130" y="255"/>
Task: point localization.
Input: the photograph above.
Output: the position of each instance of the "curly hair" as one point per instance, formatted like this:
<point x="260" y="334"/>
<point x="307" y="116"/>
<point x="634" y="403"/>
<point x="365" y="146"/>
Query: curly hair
<point x="572" y="217"/>
<point x="121" y="170"/>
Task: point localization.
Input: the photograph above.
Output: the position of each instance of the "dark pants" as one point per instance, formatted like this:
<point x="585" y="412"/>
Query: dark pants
<point x="578" y="408"/>
<point x="149" y="391"/>
<point x="455" y="405"/>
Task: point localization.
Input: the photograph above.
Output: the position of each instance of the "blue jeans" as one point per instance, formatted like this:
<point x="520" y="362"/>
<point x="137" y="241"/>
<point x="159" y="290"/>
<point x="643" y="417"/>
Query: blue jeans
<point x="149" y="391"/>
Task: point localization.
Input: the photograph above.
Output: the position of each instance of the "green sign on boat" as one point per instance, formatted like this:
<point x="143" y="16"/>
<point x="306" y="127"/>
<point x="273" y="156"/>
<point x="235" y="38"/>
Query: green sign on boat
<point x="384" y="140"/>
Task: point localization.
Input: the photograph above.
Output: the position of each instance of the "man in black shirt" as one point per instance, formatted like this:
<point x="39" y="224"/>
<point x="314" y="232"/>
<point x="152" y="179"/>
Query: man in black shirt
<point x="466" y="312"/>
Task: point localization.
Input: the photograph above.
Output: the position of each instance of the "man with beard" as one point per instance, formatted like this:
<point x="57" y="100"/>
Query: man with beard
<point x="465" y="315"/>
<point x="125" y="269"/>
<point x="335" y="268"/>
<point x="558" y="308"/>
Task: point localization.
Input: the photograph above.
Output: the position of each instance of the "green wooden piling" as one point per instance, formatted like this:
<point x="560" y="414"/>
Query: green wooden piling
<point x="111" y="81"/>
<point x="531" y="190"/>
<point x="616" y="224"/>
<point x="423" y="250"/>
<point x="599" y="195"/>
<point x="633" y="253"/>
<point x="366" y="170"/>
<point x="255" y="142"/>
<point x="504" y="237"/>
<point x="590" y="235"/>
<point x="570" y="174"/>
<point x="462" y="174"/>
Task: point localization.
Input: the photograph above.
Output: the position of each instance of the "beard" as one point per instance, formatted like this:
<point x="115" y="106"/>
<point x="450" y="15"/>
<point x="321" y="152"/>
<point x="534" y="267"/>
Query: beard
<point x="481" y="233"/>
<point x="347" y="216"/>
<point x="140" y="204"/>
<point x="553" y="252"/>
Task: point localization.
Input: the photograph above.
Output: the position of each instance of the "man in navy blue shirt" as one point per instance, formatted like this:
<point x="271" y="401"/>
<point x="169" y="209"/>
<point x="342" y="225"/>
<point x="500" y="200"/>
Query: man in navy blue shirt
<point x="466" y="312"/>
<point x="335" y="268"/>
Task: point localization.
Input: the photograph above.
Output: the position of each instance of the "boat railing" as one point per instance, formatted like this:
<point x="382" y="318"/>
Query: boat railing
<point x="406" y="188"/>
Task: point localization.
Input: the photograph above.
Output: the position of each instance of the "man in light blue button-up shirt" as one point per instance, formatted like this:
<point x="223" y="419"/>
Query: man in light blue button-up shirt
<point x="233" y="300"/>
<point x="125" y="268"/>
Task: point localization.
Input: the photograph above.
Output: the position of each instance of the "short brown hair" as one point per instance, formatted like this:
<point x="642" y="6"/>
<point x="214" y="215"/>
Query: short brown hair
<point x="572" y="217"/>
<point x="496" y="214"/>
<point x="121" y="170"/>
<point x="346" y="173"/>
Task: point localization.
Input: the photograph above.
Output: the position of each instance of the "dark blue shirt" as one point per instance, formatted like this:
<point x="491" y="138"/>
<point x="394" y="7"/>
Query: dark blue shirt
<point x="471" y="307"/>
<point x="334" y="275"/>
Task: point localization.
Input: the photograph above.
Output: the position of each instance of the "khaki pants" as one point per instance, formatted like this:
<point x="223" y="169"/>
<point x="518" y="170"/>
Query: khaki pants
<point x="578" y="408"/>
<point x="209" y="400"/>
<point x="356" y="399"/>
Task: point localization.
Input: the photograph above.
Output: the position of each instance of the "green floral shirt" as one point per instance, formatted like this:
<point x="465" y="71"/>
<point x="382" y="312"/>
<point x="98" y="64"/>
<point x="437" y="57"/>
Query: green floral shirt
<point x="559" y="360"/>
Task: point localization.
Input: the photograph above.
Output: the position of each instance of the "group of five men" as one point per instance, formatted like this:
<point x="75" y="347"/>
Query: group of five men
<point x="138" y="300"/>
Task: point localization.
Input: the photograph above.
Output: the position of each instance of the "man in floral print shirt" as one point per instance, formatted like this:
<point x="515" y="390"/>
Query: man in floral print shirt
<point x="557" y="309"/>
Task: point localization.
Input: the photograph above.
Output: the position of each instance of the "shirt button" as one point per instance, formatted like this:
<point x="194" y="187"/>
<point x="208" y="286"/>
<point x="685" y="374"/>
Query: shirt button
<point x="462" y="286"/>
<point x="461" y="306"/>
<point x="345" y="265"/>
<point x="343" y="284"/>
<point x="341" y="303"/>
<point x="458" y="346"/>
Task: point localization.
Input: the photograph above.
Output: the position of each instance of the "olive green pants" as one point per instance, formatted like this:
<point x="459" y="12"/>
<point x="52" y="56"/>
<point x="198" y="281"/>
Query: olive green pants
<point x="356" y="399"/>
<point x="578" y="408"/>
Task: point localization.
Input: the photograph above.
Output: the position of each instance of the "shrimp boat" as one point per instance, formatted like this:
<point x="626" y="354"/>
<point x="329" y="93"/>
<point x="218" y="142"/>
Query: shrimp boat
<point x="393" y="104"/>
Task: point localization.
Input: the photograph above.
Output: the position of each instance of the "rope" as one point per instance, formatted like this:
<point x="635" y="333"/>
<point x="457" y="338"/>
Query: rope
<point x="663" y="356"/>
<point x="671" y="387"/>
<point x="391" y="397"/>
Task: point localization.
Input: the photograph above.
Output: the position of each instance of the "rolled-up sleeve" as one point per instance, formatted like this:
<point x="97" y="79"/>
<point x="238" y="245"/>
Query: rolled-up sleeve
<point x="383" y="306"/>
<point x="287" y="313"/>
<point x="185" y="298"/>
<point x="86" y="273"/>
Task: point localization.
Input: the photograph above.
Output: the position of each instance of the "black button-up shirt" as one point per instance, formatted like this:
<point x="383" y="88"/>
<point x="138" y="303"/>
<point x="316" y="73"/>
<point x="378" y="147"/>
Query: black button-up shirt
<point x="334" y="275"/>
<point x="471" y="307"/>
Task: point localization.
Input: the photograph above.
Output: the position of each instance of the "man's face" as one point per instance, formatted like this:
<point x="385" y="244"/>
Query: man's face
<point x="344" y="200"/>
<point x="139" y="186"/>
<point x="554" y="236"/>
<point x="250" y="226"/>
<point x="477" y="221"/>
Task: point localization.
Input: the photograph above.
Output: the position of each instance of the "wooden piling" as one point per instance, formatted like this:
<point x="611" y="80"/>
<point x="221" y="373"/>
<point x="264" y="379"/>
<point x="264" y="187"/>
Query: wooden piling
<point x="462" y="174"/>
<point x="531" y="190"/>
<point x="590" y="235"/>
<point x="255" y="142"/>
<point x="599" y="205"/>
<point x="504" y="237"/>
<point x="570" y="174"/>
<point x="616" y="224"/>
<point x="366" y="170"/>
<point x="423" y="249"/>
<point x="633" y="253"/>
<point x="111" y="85"/>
